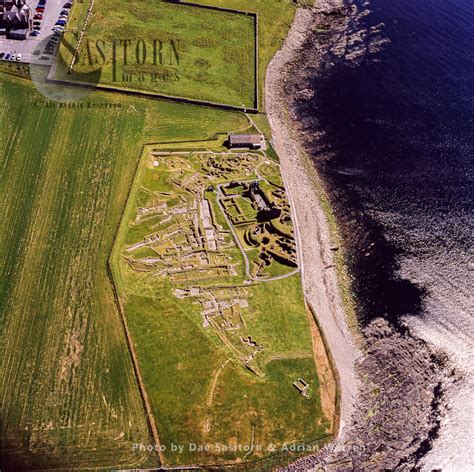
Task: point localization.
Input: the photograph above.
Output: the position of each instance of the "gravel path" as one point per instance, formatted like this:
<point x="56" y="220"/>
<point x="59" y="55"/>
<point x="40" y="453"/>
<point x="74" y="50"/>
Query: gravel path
<point x="320" y="280"/>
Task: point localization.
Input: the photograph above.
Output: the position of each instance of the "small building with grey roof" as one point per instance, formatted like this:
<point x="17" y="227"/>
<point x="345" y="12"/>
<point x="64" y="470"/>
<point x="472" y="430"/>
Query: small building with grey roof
<point x="249" y="141"/>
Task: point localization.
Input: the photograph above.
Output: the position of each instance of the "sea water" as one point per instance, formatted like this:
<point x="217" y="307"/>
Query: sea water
<point x="398" y="129"/>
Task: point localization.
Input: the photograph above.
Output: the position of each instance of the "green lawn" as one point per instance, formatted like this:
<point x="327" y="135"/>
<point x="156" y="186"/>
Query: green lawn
<point x="69" y="395"/>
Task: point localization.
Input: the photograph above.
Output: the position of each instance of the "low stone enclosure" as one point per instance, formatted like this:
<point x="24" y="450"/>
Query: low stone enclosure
<point x="302" y="387"/>
<point x="222" y="226"/>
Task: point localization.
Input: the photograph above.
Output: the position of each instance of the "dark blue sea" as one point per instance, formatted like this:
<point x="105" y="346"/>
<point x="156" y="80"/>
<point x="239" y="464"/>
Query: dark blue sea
<point x="397" y="154"/>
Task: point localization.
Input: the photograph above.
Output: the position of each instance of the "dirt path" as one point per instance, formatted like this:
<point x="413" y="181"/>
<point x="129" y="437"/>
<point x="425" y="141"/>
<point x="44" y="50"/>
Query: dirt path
<point x="210" y="397"/>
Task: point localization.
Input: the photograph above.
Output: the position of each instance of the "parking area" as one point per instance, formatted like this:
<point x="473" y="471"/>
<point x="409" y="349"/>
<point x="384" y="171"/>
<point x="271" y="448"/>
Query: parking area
<point x="25" y="47"/>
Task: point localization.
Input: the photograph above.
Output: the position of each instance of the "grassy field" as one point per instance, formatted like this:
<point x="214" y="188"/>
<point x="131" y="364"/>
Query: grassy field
<point x="183" y="51"/>
<point x="217" y="60"/>
<point x="200" y="391"/>
<point x="69" y="396"/>
<point x="275" y="17"/>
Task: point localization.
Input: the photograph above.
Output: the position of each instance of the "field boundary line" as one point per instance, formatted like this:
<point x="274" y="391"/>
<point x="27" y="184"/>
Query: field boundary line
<point x="190" y="101"/>
<point x="134" y="358"/>
<point x="84" y="26"/>
<point x="210" y="7"/>
<point x="136" y="369"/>
<point x="158" y="96"/>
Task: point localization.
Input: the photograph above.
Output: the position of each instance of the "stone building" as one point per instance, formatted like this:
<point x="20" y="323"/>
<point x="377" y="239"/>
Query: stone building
<point x="251" y="141"/>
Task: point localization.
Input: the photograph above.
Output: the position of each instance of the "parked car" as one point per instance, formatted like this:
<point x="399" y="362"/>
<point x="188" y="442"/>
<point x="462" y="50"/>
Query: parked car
<point x="1" y="55"/>
<point x="61" y="22"/>
<point x="64" y="11"/>
<point x="39" y="9"/>
<point x="44" y="58"/>
<point x="34" y="33"/>
<point x="7" y="57"/>
<point x="38" y="16"/>
<point x="37" y="28"/>
<point x="67" y="5"/>
<point x="37" y="23"/>
<point x="18" y="57"/>
<point x="58" y="29"/>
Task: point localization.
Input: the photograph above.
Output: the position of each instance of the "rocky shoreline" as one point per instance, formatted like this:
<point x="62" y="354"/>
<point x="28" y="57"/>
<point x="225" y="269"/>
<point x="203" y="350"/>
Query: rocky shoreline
<point x="396" y="415"/>
<point x="391" y="383"/>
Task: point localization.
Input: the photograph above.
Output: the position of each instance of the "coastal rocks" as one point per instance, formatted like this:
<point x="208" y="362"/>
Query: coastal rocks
<point x="305" y="94"/>
<point x="332" y="39"/>
<point x="395" y="417"/>
<point x="401" y="381"/>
